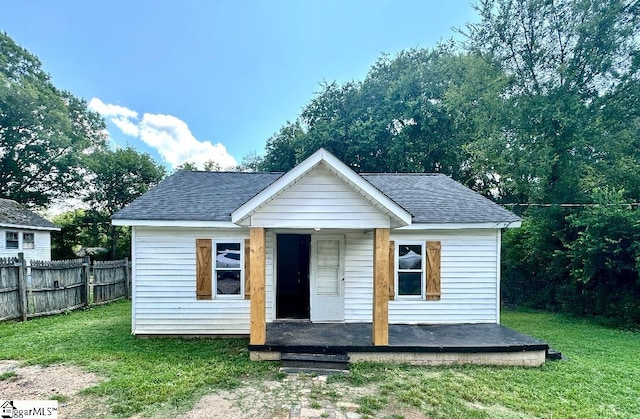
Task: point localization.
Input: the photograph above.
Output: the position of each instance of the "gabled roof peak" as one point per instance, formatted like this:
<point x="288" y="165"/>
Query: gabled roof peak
<point x="398" y="215"/>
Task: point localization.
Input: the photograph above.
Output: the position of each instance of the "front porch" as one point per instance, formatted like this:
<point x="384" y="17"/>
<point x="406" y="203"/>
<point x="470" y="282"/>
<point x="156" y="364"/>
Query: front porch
<point x="486" y="344"/>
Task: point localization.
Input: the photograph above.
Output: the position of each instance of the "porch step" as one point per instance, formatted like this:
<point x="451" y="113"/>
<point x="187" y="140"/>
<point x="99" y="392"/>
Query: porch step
<point x="314" y="363"/>
<point x="555" y="355"/>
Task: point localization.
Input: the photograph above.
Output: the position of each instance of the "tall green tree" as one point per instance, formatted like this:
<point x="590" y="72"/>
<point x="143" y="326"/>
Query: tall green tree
<point x="568" y="61"/>
<point x="80" y="228"/>
<point x="282" y="152"/>
<point x="44" y="132"/>
<point x="568" y="127"/>
<point x="117" y="178"/>
<point x="396" y="119"/>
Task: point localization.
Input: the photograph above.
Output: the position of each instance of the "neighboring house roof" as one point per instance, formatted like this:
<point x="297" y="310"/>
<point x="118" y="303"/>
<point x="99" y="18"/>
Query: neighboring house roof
<point x="214" y="196"/>
<point x="15" y="215"/>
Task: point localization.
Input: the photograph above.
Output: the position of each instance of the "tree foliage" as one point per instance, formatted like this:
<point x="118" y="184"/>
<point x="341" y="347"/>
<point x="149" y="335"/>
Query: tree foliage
<point x="80" y="228"/>
<point x="117" y="178"/>
<point x="570" y="64"/>
<point x="397" y="119"/>
<point x="569" y="133"/>
<point x="44" y="132"/>
<point x="540" y="105"/>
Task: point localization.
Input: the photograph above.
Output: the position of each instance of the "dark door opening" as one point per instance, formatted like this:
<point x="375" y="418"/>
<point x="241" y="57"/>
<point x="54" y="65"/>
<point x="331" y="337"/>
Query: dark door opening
<point x="292" y="278"/>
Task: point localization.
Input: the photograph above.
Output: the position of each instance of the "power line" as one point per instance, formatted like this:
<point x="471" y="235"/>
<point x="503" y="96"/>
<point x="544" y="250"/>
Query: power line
<point x="574" y="205"/>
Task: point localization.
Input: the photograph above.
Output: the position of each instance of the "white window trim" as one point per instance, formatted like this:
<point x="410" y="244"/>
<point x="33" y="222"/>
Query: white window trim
<point x="214" y="275"/>
<point x="6" y="240"/>
<point x="423" y="254"/>
<point x="33" y="242"/>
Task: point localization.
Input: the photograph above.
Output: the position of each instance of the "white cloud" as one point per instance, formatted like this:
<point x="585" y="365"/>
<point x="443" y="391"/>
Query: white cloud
<point x="176" y="144"/>
<point x="126" y="126"/>
<point x="169" y="135"/>
<point x="107" y="110"/>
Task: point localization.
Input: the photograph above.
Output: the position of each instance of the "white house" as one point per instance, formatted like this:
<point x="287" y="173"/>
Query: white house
<point x="22" y="230"/>
<point x="218" y="253"/>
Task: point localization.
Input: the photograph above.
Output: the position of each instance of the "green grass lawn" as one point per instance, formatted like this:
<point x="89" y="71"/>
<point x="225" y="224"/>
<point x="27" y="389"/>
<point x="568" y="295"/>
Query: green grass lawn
<point x="142" y="374"/>
<point x="601" y="378"/>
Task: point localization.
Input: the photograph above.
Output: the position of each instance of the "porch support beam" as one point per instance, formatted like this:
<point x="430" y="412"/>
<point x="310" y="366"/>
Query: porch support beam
<point x="381" y="287"/>
<point x="257" y="279"/>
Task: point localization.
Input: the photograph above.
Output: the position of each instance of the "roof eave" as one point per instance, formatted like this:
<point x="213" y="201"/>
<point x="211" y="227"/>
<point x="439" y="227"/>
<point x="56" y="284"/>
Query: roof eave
<point x="173" y="223"/>
<point x="493" y="225"/>
<point x="29" y="227"/>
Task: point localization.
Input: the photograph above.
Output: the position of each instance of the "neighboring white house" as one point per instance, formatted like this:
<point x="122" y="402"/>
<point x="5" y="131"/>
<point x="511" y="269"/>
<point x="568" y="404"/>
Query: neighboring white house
<point x="22" y="230"/>
<point x="219" y="253"/>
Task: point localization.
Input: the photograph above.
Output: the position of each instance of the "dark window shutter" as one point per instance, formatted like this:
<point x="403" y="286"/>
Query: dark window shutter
<point x="392" y="270"/>
<point x="203" y="269"/>
<point x="247" y="283"/>
<point x="433" y="270"/>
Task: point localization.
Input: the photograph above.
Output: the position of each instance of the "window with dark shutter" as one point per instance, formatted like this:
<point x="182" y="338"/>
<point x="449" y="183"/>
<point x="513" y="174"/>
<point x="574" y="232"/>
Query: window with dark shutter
<point x="415" y="270"/>
<point x="410" y="274"/>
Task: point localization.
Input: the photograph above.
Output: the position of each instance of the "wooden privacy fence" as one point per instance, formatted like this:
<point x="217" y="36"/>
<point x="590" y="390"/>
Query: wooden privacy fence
<point x="110" y="280"/>
<point x="40" y="288"/>
<point x="11" y="299"/>
<point x="57" y="286"/>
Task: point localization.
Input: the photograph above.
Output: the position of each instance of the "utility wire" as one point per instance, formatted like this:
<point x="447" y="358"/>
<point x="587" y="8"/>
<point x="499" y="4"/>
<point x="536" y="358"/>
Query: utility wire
<point x="630" y="204"/>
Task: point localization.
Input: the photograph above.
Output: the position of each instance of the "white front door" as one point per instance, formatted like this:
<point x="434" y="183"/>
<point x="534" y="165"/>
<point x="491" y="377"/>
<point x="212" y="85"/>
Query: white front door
<point x="327" y="278"/>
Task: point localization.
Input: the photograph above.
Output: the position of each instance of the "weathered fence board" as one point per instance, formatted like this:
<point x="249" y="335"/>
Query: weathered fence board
<point x="9" y="289"/>
<point x="58" y="286"/>
<point x="110" y="280"/>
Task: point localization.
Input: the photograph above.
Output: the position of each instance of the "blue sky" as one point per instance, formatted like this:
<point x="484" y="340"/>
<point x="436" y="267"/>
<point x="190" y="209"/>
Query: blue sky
<point x="213" y="80"/>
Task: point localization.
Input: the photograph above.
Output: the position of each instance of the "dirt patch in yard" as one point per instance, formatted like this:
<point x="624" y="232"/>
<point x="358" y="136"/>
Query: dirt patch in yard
<point x="293" y="397"/>
<point x="58" y="382"/>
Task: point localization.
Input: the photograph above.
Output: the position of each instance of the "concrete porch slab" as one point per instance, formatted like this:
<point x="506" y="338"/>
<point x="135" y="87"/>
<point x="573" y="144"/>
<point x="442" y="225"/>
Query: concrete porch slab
<point x="486" y="344"/>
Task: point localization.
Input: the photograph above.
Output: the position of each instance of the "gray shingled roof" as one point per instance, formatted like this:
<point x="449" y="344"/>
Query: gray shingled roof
<point x="436" y="198"/>
<point x="197" y="196"/>
<point x="213" y="196"/>
<point x="15" y="214"/>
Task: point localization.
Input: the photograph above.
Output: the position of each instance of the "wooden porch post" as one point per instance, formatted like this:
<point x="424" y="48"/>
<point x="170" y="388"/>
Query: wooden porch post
<point x="257" y="279"/>
<point x="381" y="287"/>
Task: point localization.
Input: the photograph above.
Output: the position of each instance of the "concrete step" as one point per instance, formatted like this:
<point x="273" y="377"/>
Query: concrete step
<point x="315" y="361"/>
<point x="555" y="355"/>
<point x="312" y="371"/>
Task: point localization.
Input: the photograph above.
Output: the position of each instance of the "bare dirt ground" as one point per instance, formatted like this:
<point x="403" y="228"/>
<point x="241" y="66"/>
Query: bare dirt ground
<point x="295" y="396"/>
<point x="60" y="382"/>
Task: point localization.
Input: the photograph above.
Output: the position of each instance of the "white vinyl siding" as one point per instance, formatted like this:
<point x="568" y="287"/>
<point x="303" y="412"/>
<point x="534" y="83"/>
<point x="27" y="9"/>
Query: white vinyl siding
<point x="358" y="278"/>
<point x="41" y="244"/>
<point x="164" y="283"/>
<point x="165" y="286"/>
<point x="469" y="280"/>
<point x="319" y="200"/>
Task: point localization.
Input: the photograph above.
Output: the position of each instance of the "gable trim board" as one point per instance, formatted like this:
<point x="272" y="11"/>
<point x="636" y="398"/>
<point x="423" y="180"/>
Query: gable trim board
<point x="398" y="215"/>
<point x="165" y="256"/>
<point x="28" y="227"/>
<point x="173" y="223"/>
